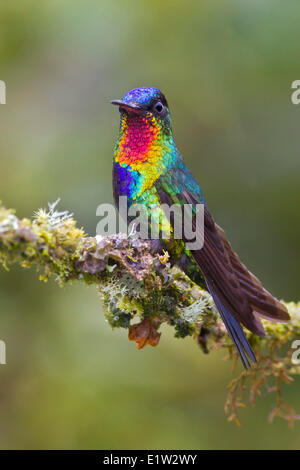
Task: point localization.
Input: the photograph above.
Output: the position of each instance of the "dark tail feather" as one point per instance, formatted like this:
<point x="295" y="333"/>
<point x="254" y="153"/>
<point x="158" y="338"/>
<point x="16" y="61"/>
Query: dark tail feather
<point x="235" y="332"/>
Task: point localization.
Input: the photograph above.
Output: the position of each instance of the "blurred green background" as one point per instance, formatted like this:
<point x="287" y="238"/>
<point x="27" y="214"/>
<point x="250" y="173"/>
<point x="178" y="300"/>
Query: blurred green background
<point x="226" y="67"/>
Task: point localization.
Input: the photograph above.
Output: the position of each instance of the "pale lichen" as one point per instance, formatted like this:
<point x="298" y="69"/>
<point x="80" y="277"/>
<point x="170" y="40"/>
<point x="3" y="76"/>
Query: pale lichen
<point x="137" y="285"/>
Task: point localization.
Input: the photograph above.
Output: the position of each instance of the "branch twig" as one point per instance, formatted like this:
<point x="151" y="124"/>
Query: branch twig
<point x="141" y="290"/>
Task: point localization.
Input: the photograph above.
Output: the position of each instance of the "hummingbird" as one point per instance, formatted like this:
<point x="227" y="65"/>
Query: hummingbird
<point x="149" y="169"/>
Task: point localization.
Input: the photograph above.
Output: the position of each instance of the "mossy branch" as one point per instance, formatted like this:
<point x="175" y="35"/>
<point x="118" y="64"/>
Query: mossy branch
<point x="140" y="290"/>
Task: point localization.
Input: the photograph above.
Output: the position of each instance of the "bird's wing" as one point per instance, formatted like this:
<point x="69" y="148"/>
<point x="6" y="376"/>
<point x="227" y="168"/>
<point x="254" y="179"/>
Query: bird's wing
<point x="237" y="289"/>
<point x="262" y="302"/>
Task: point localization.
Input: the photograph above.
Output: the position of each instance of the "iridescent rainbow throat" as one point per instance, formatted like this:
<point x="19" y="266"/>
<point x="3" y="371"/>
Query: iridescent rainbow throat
<point x="143" y="152"/>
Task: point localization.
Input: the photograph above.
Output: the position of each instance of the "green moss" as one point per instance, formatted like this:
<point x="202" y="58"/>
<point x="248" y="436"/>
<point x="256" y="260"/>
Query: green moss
<point x="118" y="318"/>
<point x="131" y="306"/>
<point x="183" y="328"/>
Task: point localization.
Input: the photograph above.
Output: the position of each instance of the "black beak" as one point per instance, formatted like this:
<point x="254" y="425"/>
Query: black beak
<point x="130" y="107"/>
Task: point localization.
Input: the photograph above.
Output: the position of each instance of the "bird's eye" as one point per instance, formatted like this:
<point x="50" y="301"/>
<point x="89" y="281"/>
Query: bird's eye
<point x="158" y="107"/>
